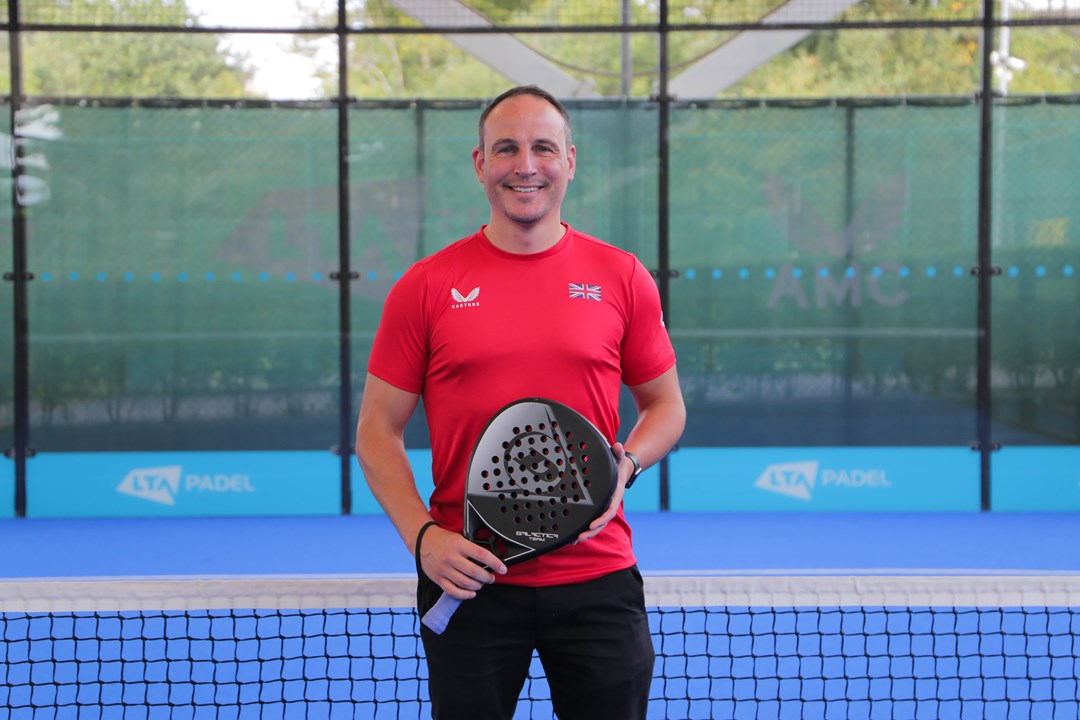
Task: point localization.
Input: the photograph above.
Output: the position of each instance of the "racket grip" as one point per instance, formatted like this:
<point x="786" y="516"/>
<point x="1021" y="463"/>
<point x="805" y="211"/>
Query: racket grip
<point x="440" y="613"/>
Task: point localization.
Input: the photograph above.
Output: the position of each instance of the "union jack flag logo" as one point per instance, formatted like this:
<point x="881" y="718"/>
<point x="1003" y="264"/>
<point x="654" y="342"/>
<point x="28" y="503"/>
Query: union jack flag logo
<point x="583" y="291"/>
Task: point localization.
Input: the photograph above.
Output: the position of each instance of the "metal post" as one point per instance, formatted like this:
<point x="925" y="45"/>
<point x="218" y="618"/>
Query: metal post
<point x="345" y="274"/>
<point x="983" y="270"/>
<point x="663" y="211"/>
<point x="19" y="275"/>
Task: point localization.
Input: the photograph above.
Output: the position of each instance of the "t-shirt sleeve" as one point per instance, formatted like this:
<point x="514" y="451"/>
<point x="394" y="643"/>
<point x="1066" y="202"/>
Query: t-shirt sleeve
<point x="399" y="351"/>
<point x="646" y="351"/>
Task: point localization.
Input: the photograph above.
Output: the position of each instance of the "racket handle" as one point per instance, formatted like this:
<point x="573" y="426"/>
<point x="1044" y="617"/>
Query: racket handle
<point x="440" y="613"/>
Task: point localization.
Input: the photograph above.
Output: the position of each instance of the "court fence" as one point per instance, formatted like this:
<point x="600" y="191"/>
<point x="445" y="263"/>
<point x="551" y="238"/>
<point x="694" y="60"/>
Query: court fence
<point x="849" y="275"/>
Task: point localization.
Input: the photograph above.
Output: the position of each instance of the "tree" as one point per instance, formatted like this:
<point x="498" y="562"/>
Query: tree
<point x="911" y="61"/>
<point x="828" y="63"/>
<point x="138" y="64"/>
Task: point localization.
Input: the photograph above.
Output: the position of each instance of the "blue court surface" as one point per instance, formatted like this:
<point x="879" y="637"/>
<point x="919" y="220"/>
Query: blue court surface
<point x="679" y="543"/>
<point x="791" y="660"/>
<point x="705" y="543"/>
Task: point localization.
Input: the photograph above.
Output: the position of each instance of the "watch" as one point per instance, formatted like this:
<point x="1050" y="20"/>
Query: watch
<point x="637" y="468"/>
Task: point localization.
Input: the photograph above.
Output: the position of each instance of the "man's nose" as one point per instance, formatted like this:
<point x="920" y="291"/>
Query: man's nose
<point x="526" y="164"/>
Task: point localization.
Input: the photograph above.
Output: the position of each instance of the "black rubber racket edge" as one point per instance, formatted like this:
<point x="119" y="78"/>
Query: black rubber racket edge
<point x="540" y="473"/>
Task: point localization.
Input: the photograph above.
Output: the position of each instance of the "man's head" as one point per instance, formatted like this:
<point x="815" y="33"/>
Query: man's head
<point x="526" y="90"/>
<point x="525" y="161"/>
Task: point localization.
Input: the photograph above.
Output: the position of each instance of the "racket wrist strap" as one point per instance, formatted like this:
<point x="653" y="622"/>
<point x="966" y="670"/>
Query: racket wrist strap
<point x="419" y="537"/>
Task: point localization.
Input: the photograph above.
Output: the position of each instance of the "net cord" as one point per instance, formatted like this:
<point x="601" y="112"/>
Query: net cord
<point x="54" y="595"/>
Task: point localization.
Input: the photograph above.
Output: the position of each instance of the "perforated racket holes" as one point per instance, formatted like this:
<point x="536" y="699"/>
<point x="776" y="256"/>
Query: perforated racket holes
<point x="495" y="472"/>
<point x="537" y="513"/>
<point x="536" y="469"/>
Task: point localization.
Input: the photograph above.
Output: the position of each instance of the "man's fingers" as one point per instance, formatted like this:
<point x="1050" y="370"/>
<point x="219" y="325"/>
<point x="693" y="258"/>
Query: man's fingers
<point x="460" y="567"/>
<point x="484" y="558"/>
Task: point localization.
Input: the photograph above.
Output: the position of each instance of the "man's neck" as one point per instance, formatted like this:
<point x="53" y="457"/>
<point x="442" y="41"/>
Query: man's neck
<point x="524" y="239"/>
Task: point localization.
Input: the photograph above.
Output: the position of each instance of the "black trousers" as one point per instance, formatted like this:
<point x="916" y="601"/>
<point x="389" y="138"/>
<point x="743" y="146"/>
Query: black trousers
<point x="592" y="638"/>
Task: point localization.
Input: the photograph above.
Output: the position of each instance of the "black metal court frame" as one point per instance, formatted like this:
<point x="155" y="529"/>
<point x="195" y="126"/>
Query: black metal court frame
<point x="21" y="275"/>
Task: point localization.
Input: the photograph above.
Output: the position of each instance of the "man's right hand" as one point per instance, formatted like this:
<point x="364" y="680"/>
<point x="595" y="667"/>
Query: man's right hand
<point x="459" y="566"/>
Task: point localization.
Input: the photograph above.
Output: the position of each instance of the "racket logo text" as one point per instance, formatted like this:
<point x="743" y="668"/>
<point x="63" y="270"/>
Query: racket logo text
<point x="539" y="536"/>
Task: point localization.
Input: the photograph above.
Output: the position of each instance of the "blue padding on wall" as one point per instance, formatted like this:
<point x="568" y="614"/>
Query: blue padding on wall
<point x="1035" y="478"/>
<point x="175" y="484"/>
<point x="7" y="487"/>
<point x="363" y="502"/>
<point x="905" y="479"/>
<point x="902" y="479"/>
<point x="644" y="496"/>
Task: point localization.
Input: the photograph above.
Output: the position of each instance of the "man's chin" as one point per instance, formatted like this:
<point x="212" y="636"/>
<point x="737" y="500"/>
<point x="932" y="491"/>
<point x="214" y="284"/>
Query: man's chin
<point x="523" y="218"/>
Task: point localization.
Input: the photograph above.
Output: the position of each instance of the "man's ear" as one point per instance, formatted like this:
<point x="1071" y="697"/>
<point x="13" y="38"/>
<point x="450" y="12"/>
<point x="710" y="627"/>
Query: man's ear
<point x="478" y="163"/>
<point x="571" y="159"/>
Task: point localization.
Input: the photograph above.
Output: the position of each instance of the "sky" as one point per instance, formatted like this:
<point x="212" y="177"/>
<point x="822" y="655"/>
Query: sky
<point x="279" y="74"/>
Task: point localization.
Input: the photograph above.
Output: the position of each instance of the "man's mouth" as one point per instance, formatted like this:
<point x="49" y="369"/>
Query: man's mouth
<point x="519" y="189"/>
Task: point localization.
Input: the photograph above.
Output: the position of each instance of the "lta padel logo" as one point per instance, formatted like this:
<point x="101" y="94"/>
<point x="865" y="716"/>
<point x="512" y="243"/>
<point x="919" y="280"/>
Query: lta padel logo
<point x="158" y="484"/>
<point x="799" y="479"/>
<point x="163" y="485"/>
<point x="792" y="479"/>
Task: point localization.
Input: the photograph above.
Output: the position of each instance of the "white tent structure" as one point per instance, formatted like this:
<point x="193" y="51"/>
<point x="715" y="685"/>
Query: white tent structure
<point x="712" y="74"/>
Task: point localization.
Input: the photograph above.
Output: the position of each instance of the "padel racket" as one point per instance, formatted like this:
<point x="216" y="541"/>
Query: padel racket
<point x="539" y="475"/>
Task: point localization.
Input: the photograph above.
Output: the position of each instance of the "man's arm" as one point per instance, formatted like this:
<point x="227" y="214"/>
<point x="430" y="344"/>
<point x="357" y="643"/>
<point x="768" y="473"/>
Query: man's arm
<point x="446" y="557"/>
<point x="660" y="422"/>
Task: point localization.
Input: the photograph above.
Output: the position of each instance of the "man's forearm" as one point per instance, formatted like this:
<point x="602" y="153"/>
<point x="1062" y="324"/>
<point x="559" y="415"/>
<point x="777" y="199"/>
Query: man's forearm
<point x="656" y="431"/>
<point x="661" y="418"/>
<point x="390" y="478"/>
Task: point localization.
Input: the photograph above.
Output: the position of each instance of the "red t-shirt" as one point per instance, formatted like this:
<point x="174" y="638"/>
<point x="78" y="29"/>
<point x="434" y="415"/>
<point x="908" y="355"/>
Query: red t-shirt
<point x="473" y="328"/>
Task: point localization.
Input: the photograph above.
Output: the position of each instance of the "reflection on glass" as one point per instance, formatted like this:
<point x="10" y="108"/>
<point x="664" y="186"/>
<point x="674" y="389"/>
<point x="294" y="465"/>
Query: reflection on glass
<point x="1036" y="340"/>
<point x="822" y="295"/>
<point x="182" y="297"/>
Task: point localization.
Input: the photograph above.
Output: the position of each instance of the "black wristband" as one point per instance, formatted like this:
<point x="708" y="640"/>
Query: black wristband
<point x="419" y="537"/>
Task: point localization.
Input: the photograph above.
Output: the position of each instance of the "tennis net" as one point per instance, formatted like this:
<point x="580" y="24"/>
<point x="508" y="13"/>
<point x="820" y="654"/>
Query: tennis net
<point x="781" y="646"/>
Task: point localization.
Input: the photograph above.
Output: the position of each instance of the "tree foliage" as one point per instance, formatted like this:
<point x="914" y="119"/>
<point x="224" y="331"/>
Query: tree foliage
<point x="151" y="64"/>
<point x="912" y="61"/>
<point x="858" y="61"/>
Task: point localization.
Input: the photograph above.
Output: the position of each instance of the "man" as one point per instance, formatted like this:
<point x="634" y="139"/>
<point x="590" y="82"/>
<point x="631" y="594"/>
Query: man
<point x="486" y="321"/>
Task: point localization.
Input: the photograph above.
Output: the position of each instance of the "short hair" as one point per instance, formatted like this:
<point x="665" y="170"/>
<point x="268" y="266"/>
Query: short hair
<point x="533" y="90"/>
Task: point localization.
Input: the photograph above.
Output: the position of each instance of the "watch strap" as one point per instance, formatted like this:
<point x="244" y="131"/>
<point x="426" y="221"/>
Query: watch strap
<point x="637" y="468"/>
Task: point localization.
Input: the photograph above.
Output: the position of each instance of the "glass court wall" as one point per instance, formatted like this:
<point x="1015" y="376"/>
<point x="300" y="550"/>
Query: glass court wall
<point x="862" y="219"/>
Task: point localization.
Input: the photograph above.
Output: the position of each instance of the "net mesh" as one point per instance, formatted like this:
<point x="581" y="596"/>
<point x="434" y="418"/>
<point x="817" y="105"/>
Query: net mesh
<point x="776" y="647"/>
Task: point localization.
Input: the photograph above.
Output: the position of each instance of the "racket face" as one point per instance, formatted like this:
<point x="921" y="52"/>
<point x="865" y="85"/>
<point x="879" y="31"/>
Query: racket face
<point x="539" y="475"/>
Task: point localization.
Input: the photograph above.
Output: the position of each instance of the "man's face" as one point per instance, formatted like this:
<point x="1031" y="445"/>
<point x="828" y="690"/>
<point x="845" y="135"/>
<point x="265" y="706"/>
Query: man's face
<point x="525" y="163"/>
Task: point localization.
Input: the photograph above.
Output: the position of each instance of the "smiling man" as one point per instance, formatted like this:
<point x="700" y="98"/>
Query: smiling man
<point x="525" y="160"/>
<point x="525" y="307"/>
